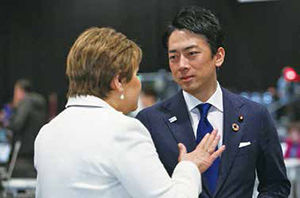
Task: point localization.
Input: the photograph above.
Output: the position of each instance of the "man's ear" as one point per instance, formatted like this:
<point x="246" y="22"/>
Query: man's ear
<point x="116" y="84"/>
<point x="220" y="56"/>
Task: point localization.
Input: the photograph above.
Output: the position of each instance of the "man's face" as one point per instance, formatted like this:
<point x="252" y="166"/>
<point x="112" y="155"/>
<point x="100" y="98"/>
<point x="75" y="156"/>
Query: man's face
<point x="191" y="62"/>
<point x="19" y="95"/>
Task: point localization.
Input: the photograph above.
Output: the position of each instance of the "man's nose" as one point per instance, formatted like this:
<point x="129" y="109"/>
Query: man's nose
<point x="183" y="63"/>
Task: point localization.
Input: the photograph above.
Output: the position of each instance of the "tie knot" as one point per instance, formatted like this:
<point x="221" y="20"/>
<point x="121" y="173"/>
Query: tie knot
<point x="203" y="109"/>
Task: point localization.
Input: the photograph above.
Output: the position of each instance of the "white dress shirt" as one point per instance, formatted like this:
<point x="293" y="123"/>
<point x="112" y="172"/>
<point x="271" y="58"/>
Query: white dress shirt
<point x="215" y="113"/>
<point x="91" y="150"/>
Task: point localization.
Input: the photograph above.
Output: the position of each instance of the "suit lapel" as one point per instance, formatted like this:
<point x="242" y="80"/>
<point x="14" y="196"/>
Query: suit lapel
<point x="231" y="138"/>
<point x="178" y="121"/>
<point x="181" y="128"/>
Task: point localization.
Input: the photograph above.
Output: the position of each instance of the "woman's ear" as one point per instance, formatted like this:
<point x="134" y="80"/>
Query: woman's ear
<point x="116" y="84"/>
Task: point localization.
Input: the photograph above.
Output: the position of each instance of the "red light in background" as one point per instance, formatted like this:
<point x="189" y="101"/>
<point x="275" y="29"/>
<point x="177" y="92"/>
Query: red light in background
<point x="290" y="74"/>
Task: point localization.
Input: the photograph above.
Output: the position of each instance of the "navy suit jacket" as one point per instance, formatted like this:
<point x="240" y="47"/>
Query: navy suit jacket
<point x="238" y="165"/>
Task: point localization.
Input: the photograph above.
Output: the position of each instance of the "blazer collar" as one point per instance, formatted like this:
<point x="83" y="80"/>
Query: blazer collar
<point x="216" y="100"/>
<point x="88" y="101"/>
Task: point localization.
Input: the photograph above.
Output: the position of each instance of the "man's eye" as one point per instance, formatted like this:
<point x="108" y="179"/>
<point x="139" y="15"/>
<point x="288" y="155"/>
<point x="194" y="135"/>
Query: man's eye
<point x="172" y="57"/>
<point x="193" y="53"/>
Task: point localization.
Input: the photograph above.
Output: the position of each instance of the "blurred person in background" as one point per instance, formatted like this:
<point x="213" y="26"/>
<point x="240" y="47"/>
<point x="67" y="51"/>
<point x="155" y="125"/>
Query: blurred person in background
<point x="29" y="114"/>
<point x="6" y="138"/>
<point x="148" y="97"/>
<point x="194" y="41"/>
<point x="52" y="106"/>
<point x="92" y="149"/>
<point x="5" y="114"/>
<point x="285" y="88"/>
<point x="293" y="141"/>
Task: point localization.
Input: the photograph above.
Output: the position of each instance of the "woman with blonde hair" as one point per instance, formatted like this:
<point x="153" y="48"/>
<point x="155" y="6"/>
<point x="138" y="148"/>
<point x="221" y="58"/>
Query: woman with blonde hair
<point x="92" y="149"/>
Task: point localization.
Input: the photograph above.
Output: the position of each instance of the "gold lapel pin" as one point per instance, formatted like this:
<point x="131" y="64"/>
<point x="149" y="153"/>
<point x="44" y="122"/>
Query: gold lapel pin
<point x="235" y="127"/>
<point x="241" y="118"/>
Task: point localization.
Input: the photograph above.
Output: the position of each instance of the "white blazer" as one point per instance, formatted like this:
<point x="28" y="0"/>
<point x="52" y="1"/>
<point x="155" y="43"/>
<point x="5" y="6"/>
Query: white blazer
<point x="91" y="150"/>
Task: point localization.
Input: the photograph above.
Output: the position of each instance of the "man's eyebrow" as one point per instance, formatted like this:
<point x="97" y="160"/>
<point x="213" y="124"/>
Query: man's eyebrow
<point x="190" y="47"/>
<point x="184" y="49"/>
<point x="172" y="51"/>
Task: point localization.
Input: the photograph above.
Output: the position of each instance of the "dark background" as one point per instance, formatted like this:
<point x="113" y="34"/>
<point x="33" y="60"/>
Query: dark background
<point x="36" y="35"/>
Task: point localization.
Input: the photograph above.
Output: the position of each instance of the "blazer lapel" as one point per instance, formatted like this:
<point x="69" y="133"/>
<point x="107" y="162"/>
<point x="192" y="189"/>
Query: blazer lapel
<point x="178" y="121"/>
<point x="231" y="138"/>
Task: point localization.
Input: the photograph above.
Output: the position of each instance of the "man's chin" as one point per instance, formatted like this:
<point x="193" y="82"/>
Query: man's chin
<point x="186" y="88"/>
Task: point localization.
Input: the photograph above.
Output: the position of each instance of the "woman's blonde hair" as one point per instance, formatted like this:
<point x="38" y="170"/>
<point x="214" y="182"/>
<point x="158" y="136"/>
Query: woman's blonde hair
<point x="97" y="56"/>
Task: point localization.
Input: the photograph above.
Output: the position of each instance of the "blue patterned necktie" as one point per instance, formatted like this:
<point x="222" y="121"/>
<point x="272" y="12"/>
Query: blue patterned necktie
<point x="204" y="127"/>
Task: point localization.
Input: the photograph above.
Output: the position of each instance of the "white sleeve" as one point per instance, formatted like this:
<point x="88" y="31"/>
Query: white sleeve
<point x="141" y="172"/>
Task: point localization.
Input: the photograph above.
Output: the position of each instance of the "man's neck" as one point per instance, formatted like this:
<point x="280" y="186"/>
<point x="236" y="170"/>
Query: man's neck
<point x="203" y="94"/>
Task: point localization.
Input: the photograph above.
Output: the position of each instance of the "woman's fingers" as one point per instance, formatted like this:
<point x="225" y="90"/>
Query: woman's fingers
<point x="203" y="141"/>
<point x="218" y="152"/>
<point x="210" y="140"/>
<point x="209" y="143"/>
<point x="212" y="146"/>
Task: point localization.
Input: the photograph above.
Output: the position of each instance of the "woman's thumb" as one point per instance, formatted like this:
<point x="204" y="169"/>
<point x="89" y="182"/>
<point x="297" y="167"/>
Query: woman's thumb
<point x="182" y="151"/>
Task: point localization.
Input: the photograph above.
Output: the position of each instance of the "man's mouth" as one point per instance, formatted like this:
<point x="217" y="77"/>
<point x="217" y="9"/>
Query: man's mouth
<point x="186" y="78"/>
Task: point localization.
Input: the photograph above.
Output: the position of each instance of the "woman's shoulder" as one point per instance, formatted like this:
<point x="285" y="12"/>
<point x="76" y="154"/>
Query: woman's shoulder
<point x="131" y="122"/>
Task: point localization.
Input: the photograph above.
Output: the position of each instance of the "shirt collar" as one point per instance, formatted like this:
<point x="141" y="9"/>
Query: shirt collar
<point x="216" y="100"/>
<point x="89" y="101"/>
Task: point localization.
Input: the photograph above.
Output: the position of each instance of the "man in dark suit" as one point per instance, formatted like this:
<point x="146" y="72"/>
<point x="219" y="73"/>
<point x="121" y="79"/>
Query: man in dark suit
<point x="29" y="115"/>
<point x="195" y="50"/>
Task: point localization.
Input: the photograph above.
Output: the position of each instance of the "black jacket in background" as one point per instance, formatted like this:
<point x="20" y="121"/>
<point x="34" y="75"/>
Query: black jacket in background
<point x="26" y="121"/>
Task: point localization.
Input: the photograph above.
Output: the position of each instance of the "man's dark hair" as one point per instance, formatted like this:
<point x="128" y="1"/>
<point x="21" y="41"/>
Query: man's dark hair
<point x="199" y="21"/>
<point x="25" y="84"/>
